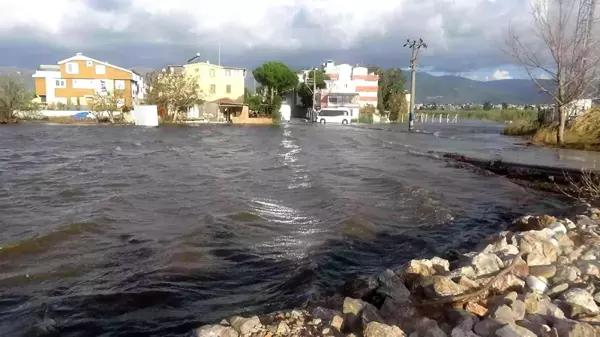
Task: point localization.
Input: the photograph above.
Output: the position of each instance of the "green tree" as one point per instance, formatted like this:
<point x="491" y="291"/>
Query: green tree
<point x="305" y="89"/>
<point x="390" y="88"/>
<point x="14" y="97"/>
<point x="252" y="100"/>
<point x="277" y="77"/>
<point x="487" y="106"/>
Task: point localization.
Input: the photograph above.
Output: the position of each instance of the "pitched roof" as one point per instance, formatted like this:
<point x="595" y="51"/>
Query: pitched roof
<point x="81" y="57"/>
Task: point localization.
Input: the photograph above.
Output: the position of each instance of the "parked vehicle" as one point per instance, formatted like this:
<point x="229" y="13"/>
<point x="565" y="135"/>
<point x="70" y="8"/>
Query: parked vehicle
<point x="333" y="115"/>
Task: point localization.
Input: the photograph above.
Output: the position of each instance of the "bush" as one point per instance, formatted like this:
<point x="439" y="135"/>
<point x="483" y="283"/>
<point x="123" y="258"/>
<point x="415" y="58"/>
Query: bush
<point x="521" y="128"/>
<point x="365" y="118"/>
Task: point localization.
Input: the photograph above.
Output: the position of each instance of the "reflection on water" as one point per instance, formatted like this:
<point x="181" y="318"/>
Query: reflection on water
<point x="121" y="231"/>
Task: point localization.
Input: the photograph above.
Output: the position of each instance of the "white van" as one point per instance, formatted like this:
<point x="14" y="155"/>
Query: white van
<point x="333" y="115"/>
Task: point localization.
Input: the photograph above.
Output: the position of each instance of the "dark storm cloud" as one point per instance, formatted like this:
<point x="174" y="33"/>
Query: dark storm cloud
<point x="460" y="40"/>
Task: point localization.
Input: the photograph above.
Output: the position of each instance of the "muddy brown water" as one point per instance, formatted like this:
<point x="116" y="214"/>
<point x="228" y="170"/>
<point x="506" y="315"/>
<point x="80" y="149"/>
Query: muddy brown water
<point x="124" y="231"/>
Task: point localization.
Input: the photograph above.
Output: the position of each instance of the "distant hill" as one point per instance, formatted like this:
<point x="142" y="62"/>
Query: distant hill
<point x="456" y="89"/>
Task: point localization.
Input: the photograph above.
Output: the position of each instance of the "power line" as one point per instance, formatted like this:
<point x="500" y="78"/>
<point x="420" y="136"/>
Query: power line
<point x="414" y="45"/>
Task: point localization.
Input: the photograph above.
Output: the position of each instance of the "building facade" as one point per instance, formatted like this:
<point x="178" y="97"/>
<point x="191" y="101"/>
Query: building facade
<point x="347" y="79"/>
<point x="75" y="81"/>
<point x="217" y="82"/>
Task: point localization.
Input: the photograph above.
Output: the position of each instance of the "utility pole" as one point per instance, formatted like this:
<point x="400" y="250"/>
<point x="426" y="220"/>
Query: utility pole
<point x="414" y="45"/>
<point x="219" y="52"/>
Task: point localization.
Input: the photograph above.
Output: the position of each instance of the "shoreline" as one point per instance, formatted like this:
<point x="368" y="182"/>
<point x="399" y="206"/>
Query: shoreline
<point x="539" y="277"/>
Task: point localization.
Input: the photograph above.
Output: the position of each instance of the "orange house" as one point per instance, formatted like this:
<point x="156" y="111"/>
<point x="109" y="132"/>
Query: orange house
<point x="75" y="81"/>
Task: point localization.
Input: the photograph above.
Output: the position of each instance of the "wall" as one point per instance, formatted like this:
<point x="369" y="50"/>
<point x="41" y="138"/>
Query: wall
<point x="244" y="118"/>
<point x="202" y="71"/>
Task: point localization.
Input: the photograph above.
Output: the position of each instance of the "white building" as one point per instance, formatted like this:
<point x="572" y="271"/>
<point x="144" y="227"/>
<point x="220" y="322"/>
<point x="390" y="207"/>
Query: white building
<point x="344" y="78"/>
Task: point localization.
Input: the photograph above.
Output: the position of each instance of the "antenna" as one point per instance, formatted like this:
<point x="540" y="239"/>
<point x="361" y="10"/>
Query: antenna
<point x="219" y="52"/>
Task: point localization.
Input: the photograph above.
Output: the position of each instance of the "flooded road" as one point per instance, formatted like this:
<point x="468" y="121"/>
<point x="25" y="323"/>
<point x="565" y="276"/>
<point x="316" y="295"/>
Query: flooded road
<point x="123" y="231"/>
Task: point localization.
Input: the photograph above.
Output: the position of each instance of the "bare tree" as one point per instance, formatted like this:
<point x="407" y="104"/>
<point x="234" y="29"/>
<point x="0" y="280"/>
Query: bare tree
<point x="176" y="92"/>
<point x="562" y="47"/>
<point x="13" y="98"/>
<point x="107" y="104"/>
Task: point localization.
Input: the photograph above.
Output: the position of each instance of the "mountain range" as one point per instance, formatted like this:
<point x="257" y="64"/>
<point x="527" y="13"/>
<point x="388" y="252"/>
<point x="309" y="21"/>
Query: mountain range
<point x="445" y="89"/>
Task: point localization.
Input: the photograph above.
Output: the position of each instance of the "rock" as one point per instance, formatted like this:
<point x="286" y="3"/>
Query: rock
<point x="326" y="331"/>
<point x="362" y="287"/>
<point x="518" y="309"/>
<point x="503" y="314"/>
<point x="352" y="306"/>
<point x="324" y="313"/>
<point x="476" y="309"/>
<point x="589" y="268"/>
<point x="296" y="314"/>
<point x="510" y="330"/>
<point x="392" y="286"/>
<point x="568" y="328"/>
<point x="458" y="332"/>
<point x="536" y="327"/>
<point x="580" y="303"/>
<point x="244" y="325"/>
<point x="337" y="323"/>
<point x="545" y="271"/>
<point x="487" y="327"/>
<point x="443" y="286"/>
<point x="370" y="314"/>
<point x="506" y="283"/>
<point x="375" y="329"/>
<point x="215" y="331"/>
<point x="485" y="264"/>
<point x="532" y="302"/>
<point x="597" y="297"/>
<point x="282" y="329"/>
<point x="440" y="265"/>
<point x="566" y="274"/>
<point x="461" y="318"/>
<point x="428" y="328"/>
<point x="536" y="284"/>
<point x="549" y="311"/>
<point x="558" y="289"/>
<point x="583" y="221"/>
<point x="419" y="268"/>
<point x="542" y="248"/>
<point x="558" y="228"/>
<point x="588" y="256"/>
<point x="403" y="314"/>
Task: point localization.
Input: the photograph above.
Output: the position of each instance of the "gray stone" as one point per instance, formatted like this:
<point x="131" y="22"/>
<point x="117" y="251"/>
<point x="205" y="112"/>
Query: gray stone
<point x="583" y="220"/>
<point x="352" y="306"/>
<point x="536" y="284"/>
<point x="487" y="327"/>
<point x="569" y="328"/>
<point x="580" y="302"/>
<point x="215" y="331"/>
<point x="557" y="290"/>
<point x="462" y="319"/>
<point x="458" y="332"/>
<point x="549" y="311"/>
<point x="361" y="287"/>
<point x="589" y="268"/>
<point x="534" y="243"/>
<point x="503" y="314"/>
<point x="597" y="297"/>
<point x="392" y="286"/>
<point x="510" y="330"/>
<point x="518" y="309"/>
<point x="324" y="313"/>
<point x="370" y="314"/>
<point x="536" y="327"/>
<point x="428" y="328"/>
<point x="244" y="325"/>
<point x="375" y="329"/>
<point x="546" y="271"/>
<point x="485" y="264"/>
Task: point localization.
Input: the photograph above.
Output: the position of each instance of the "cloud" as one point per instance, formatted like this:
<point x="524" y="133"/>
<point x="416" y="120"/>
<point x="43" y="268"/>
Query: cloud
<point x="501" y="75"/>
<point x="462" y="35"/>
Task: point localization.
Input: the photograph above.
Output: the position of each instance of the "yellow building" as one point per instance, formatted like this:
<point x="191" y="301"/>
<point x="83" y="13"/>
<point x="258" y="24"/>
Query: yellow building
<point x="217" y="82"/>
<point x="77" y="79"/>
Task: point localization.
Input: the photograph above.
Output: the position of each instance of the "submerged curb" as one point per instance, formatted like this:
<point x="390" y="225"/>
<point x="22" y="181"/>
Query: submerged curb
<point x="540" y="277"/>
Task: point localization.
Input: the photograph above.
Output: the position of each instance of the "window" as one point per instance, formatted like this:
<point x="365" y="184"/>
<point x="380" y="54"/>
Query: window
<point x="212" y="73"/>
<point x="72" y="68"/>
<point x="333" y="100"/>
<point x="228" y="89"/>
<point x="89" y="63"/>
<point x="119" y="85"/>
<point x="333" y="113"/>
<point x="227" y="72"/>
<point x="60" y="83"/>
<point x="100" y="69"/>
<point x="213" y="88"/>
<point x="83" y="84"/>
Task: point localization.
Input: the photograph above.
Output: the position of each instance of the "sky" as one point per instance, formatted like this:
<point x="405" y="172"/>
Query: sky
<point x="464" y="37"/>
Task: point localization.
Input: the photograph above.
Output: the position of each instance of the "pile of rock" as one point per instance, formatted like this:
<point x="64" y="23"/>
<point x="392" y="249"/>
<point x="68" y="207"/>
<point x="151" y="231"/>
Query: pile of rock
<point x="541" y="277"/>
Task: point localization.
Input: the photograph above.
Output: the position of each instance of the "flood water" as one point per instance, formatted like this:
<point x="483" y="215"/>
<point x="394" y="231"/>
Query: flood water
<point x="124" y="231"/>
